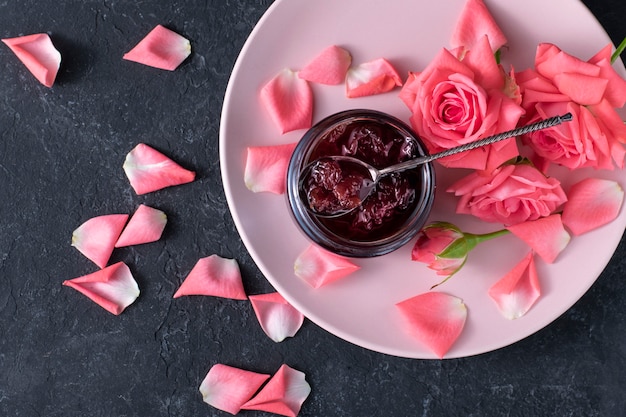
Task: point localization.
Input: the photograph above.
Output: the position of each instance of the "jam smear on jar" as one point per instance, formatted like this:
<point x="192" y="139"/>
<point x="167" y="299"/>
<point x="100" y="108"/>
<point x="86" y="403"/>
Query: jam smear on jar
<point x="331" y="187"/>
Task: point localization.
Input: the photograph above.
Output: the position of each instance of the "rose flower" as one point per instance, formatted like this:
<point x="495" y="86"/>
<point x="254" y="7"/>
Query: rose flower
<point x="511" y="194"/>
<point x="591" y="91"/>
<point x="460" y="98"/>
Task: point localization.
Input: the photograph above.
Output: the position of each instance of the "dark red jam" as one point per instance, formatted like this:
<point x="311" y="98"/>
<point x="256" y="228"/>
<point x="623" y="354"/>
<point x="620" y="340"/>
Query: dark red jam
<point x="332" y="187"/>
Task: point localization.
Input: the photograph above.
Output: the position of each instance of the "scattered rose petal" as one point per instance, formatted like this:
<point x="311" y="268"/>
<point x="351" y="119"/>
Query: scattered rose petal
<point x="592" y="202"/>
<point x="227" y="388"/>
<point x="475" y="22"/>
<point x="113" y="288"/>
<point x="96" y="237"/>
<point x="518" y="290"/>
<point x="546" y="236"/>
<point x="145" y="226"/>
<point x="38" y="54"/>
<point x="214" y="276"/>
<point x="149" y="170"/>
<point x="266" y="168"/>
<point x="277" y="317"/>
<point x="370" y="78"/>
<point x="283" y="394"/>
<point x="289" y="101"/>
<point x="161" y="48"/>
<point x="329" y="67"/>
<point x="436" y="319"/>
<point x="320" y="267"/>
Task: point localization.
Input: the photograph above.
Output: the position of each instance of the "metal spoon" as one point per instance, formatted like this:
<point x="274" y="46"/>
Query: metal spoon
<point x="372" y="175"/>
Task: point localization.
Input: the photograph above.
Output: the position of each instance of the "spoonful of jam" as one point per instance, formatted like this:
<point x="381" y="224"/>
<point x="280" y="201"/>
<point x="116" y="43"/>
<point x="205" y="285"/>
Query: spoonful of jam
<point x="353" y="180"/>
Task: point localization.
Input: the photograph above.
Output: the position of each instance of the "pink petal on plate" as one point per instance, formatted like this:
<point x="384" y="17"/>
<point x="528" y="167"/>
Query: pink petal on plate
<point x="113" y="288"/>
<point x="227" y="388"/>
<point x="283" y="394"/>
<point x="518" y="290"/>
<point x="329" y="67"/>
<point x="96" y="237"/>
<point x="546" y="236"/>
<point x="591" y="203"/>
<point x="475" y="22"/>
<point x="320" y="267"/>
<point x="38" y="54"/>
<point x="370" y="78"/>
<point x="149" y="170"/>
<point x="289" y="101"/>
<point x="161" y="48"/>
<point x="266" y="168"/>
<point x="277" y="317"/>
<point x="435" y="319"/>
<point x="214" y="276"/>
<point x="145" y="226"/>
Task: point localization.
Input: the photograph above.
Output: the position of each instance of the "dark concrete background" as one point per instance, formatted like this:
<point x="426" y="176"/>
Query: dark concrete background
<point x="61" y="152"/>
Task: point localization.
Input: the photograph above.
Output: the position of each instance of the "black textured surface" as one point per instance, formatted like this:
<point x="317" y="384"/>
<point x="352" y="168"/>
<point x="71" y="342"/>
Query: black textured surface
<point x="61" y="152"/>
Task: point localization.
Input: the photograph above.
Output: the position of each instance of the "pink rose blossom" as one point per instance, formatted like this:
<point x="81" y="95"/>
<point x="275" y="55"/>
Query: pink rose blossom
<point x="591" y="91"/>
<point x="432" y="243"/>
<point x="461" y="97"/>
<point x="444" y="247"/>
<point x="511" y="194"/>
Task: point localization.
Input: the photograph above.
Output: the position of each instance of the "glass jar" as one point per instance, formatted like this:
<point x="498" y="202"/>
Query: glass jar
<point x="389" y="217"/>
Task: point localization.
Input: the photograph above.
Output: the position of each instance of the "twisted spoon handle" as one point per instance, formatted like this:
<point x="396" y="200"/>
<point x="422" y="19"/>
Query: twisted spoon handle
<point x="544" y="124"/>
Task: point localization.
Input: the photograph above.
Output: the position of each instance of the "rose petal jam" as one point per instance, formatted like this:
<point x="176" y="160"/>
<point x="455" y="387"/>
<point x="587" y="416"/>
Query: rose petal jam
<point x="381" y="221"/>
<point x="332" y="187"/>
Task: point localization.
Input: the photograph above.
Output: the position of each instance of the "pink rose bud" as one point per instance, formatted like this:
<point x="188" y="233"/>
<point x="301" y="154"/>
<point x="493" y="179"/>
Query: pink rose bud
<point x="442" y="246"/>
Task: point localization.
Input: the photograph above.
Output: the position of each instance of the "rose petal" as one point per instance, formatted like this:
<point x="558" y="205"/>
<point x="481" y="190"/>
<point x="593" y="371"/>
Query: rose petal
<point x="551" y="61"/>
<point x="616" y="90"/>
<point x="227" y="388"/>
<point x="38" y="54"/>
<point x="277" y="317"/>
<point x="214" y="276"/>
<point x="487" y="71"/>
<point x="582" y="89"/>
<point x="113" y="288"/>
<point x="592" y="202"/>
<point x="161" y="48"/>
<point x="546" y="236"/>
<point x="149" y="170"/>
<point x="145" y="226"/>
<point x="518" y="290"/>
<point x="266" y="168"/>
<point x="329" y="67"/>
<point x="96" y="237"/>
<point x="370" y="78"/>
<point x="289" y="101"/>
<point x="283" y="394"/>
<point x="319" y="267"/>
<point x="408" y="93"/>
<point x="475" y="22"/>
<point x="435" y="319"/>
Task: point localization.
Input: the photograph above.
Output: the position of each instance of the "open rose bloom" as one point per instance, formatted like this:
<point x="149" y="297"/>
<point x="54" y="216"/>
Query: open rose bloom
<point x="591" y="91"/>
<point x="511" y="194"/>
<point x="462" y="96"/>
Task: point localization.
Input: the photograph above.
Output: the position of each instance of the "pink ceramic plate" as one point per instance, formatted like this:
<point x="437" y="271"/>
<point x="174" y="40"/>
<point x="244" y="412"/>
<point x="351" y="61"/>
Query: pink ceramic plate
<point x="361" y="308"/>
